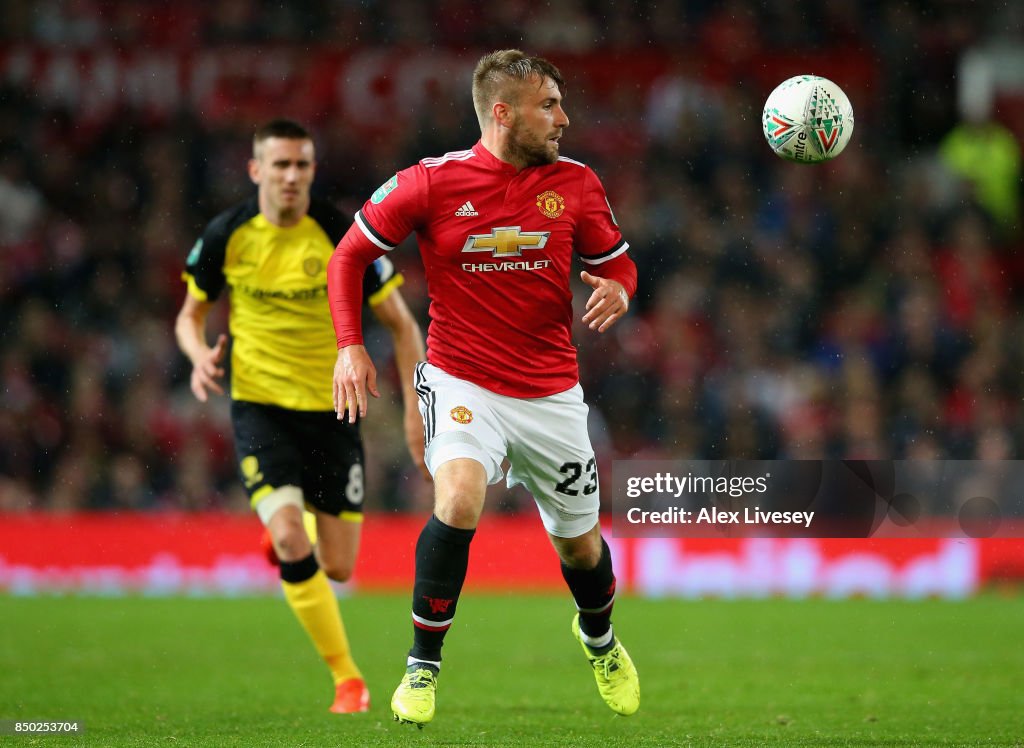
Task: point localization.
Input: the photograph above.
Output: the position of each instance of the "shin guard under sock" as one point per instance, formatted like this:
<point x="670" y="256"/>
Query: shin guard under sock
<point x="442" y="557"/>
<point x="594" y="593"/>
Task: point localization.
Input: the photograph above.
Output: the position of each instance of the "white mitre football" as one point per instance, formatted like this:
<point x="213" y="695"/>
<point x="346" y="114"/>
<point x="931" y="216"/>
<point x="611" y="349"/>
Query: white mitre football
<point x="808" y="119"/>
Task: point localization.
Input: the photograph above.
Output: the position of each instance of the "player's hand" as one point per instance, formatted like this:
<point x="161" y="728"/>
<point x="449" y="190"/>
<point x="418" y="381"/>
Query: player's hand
<point x="354" y="376"/>
<point x="207" y="370"/>
<point x="607" y="304"/>
<point x="413" y="425"/>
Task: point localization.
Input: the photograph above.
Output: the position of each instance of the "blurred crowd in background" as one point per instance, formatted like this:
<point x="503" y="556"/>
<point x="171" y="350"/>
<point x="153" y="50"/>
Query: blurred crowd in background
<point x="866" y="308"/>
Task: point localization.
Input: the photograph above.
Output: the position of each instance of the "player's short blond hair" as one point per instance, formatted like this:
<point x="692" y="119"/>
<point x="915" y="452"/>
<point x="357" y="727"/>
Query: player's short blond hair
<point x="496" y="71"/>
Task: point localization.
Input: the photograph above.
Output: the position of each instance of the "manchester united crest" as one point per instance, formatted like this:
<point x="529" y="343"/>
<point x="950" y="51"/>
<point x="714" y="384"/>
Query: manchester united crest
<point x="551" y="204"/>
<point x="461" y="414"/>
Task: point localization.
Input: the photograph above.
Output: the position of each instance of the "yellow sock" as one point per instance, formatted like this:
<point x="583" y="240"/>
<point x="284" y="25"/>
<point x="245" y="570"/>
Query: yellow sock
<point x="316" y="608"/>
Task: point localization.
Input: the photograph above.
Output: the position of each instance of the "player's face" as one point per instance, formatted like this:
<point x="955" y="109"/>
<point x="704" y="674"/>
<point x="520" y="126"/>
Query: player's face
<point x="538" y="124"/>
<point x="283" y="168"/>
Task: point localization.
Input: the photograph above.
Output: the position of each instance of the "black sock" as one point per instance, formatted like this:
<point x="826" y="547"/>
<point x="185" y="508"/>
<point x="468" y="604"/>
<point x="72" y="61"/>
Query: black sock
<point x="294" y="572"/>
<point x="442" y="557"/>
<point x="594" y="593"/>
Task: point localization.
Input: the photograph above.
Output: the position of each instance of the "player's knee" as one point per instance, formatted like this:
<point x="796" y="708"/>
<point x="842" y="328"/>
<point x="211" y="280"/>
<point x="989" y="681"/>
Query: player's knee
<point x="459" y="509"/>
<point x="281" y="513"/>
<point x="290" y="540"/>
<point x="460" y="487"/>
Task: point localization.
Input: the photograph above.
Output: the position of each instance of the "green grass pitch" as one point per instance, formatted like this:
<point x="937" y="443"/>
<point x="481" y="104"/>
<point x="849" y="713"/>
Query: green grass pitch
<point x="239" y="672"/>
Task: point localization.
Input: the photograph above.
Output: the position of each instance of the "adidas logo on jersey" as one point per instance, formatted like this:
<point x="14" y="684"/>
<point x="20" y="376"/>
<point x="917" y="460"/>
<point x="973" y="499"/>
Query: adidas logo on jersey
<point x="467" y="209"/>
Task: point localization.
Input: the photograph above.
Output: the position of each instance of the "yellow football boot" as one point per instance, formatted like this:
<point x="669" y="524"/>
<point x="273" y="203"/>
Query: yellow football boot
<point x="413" y="702"/>
<point x="616" y="676"/>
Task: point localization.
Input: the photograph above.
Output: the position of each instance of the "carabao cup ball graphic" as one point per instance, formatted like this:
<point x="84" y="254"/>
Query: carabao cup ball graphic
<point x="807" y="119"/>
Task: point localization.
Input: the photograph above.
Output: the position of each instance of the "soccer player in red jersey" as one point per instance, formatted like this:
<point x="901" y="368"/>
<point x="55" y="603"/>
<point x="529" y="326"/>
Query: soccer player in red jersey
<point x="497" y="226"/>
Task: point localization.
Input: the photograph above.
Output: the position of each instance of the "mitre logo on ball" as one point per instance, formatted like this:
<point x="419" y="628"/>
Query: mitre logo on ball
<point x="807" y="119"/>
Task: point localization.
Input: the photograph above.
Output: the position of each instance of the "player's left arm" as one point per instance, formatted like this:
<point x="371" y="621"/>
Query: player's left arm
<point x="614" y="283"/>
<point x="394" y="314"/>
<point x="610" y="271"/>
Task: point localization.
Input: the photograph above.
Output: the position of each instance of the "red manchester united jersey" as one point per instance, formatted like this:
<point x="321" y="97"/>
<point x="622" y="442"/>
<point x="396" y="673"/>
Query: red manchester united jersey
<point x="497" y="248"/>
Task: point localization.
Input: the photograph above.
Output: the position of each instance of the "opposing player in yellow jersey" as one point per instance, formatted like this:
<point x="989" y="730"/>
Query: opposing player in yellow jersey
<point x="271" y="252"/>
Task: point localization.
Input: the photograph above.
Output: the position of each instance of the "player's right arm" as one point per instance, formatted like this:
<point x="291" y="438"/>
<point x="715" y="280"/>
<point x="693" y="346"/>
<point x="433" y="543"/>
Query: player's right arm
<point x="190" y="331"/>
<point x="354" y="372"/>
<point x="390" y="215"/>
<point x="204" y="278"/>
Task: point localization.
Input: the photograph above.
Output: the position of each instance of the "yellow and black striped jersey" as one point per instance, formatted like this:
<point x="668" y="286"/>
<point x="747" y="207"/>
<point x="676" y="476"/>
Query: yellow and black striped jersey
<point x="283" y="345"/>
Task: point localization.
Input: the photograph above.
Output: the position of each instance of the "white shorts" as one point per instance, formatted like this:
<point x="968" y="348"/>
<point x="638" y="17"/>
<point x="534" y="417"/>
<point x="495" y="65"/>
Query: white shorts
<point x="545" y="440"/>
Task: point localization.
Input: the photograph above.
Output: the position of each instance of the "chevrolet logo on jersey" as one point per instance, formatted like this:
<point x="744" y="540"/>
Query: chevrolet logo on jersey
<point x="506" y="241"/>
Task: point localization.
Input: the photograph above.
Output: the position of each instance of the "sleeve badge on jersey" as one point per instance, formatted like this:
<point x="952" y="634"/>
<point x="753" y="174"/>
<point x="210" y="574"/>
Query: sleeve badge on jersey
<point x="551" y="204"/>
<point x="384" y="190"/>
<point x="461" y="414"/>
<point x="197" y="249"/>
